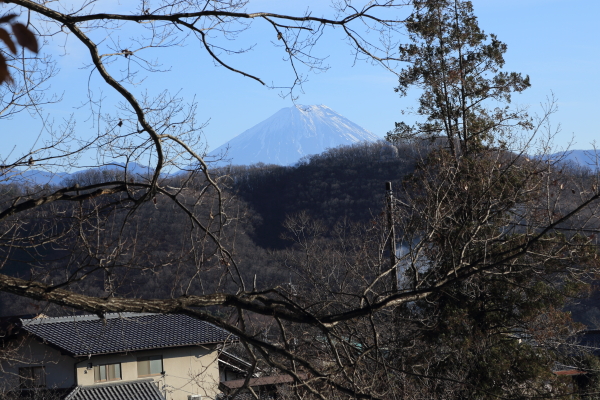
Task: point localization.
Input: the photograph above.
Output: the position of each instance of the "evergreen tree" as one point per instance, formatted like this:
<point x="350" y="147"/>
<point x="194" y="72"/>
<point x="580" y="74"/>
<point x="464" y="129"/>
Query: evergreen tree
<point x="458" y="68"/>
<point x="474" y="223"/>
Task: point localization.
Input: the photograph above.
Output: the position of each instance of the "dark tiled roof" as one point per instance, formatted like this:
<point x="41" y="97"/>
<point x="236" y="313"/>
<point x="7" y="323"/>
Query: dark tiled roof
<point x="234" y="362"/>
<point x="88" y="334"/>
<point x="137" y="390"/>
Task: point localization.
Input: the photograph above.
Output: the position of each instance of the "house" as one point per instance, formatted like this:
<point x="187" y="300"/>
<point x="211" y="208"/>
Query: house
<point x="121" y="356"/>
<point x="232" y="367"/>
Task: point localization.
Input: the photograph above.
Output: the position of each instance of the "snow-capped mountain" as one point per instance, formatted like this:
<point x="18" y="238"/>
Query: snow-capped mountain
<point x="584" y="158"/>
<point x="290" y="134"/>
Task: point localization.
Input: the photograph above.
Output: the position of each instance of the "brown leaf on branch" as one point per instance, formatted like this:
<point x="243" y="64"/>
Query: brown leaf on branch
<point x="25" y="37"/>
<point x="4" y="74"/>
<point x="7" y="18"/>
<point x="5" y="37"/>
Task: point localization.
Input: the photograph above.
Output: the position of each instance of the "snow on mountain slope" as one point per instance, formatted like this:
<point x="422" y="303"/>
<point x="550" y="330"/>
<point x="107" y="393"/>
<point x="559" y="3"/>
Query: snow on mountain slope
<point x="290" y="134"/>
<point x="587" y="158"/>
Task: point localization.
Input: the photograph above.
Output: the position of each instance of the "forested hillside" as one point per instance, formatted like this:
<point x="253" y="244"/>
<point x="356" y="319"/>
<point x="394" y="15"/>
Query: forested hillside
<point x="343" y="182"/>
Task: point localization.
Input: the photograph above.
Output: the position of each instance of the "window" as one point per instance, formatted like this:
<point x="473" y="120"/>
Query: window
<point x="107" y="372"/>
<point x="148" y="366"/>
<point x="32" y="377"/>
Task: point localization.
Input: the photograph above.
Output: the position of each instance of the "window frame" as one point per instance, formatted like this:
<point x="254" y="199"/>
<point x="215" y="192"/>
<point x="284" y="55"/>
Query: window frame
<point x="148" y="359"/>
<point x="97" y="372"/>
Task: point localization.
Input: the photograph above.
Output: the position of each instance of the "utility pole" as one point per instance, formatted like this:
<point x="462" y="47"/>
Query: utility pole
<point x="391" y="235"/>
<point x="391" y="238"/>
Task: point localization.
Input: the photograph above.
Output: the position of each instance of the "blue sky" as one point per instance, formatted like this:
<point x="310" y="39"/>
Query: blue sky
<point x="555" y="42"/>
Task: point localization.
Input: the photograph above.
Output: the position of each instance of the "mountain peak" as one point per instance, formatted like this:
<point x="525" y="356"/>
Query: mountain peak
<point x="290" y="134"/>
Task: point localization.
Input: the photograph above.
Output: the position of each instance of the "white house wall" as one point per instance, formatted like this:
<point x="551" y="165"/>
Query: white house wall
<point x="190" y="370"/>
